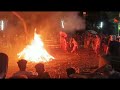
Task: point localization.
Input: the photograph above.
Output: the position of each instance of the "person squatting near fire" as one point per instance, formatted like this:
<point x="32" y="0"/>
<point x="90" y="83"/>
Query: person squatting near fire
<point x="63" y="42"/>
<point x="75" y="45"/>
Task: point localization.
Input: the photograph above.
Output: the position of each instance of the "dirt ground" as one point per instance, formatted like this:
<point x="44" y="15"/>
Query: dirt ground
<point x="83" y="60"/>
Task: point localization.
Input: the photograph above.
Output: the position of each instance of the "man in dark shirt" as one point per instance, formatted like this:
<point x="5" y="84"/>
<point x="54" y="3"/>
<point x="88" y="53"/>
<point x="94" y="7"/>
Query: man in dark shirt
<point x="41" y="72"/>
<point x="110" y="73"/>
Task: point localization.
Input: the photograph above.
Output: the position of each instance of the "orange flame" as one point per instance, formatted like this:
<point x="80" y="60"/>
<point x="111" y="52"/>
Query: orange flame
<point x="35" y="52"/>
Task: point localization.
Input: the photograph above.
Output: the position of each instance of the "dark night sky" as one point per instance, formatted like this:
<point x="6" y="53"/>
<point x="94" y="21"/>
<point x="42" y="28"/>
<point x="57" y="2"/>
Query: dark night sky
<point x="106" y="17"/>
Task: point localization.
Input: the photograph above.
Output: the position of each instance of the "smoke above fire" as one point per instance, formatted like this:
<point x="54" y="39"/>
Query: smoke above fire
<point x="47" y="23"/>
<point x="72" y="21"/>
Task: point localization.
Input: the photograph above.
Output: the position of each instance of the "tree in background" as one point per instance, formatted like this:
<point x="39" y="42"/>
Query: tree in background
<point x="109" y="19"/>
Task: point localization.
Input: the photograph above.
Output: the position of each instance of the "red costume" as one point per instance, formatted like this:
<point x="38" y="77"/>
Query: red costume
<point x="63" y="42"/>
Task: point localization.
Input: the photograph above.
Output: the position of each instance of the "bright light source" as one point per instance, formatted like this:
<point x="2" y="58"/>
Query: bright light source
<point x="101" y="24"/>
<point x="35" y="52"/>
<point x="84" y="13"/>
<point x="62" y="22"/>
<point x="2" y="25"/>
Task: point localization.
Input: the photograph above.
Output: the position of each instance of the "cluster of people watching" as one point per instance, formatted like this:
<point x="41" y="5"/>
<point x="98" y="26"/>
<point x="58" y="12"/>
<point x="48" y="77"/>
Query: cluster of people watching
<point x="68" y="44"/>
<point x="22" y="73"/>
<point x="106" y="71"/>
<point x="98" y="42"/>
<point x="92" y="41"/>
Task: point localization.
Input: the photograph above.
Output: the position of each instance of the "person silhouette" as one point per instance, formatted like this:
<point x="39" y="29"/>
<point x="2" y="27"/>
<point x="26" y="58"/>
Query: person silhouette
<point x="3" y="65"/>
<point x="41" y="71"/>
<point x="22" y="70"/>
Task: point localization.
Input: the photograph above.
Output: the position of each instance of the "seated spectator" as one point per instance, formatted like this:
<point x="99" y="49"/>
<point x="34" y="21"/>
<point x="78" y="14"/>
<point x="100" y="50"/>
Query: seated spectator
<point x="71" y="73"/>
<point x="99" y="72"/>
<point x="41" y="71"/>
<point x="22" y="70"/>
<point x="109" y="72"/>
<point x="20" y="77"/>
<point x="3" y="65"/>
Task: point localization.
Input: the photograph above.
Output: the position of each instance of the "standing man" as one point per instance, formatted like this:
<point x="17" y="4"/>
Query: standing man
<point x="97" y="44"/>
<point x="63" y="42"/>
<point x="75" y="45"/>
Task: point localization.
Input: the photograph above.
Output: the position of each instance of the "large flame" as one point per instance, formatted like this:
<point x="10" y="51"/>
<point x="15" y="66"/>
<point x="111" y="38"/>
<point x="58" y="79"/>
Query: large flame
<point x="35" y="52"/>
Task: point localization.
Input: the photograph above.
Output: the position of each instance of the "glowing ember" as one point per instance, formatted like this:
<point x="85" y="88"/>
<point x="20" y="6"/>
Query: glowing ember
<point x="35" y="52"/>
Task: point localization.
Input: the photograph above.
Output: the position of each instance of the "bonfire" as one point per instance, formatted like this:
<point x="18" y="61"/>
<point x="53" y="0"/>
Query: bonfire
<point x="35" y="52"/>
